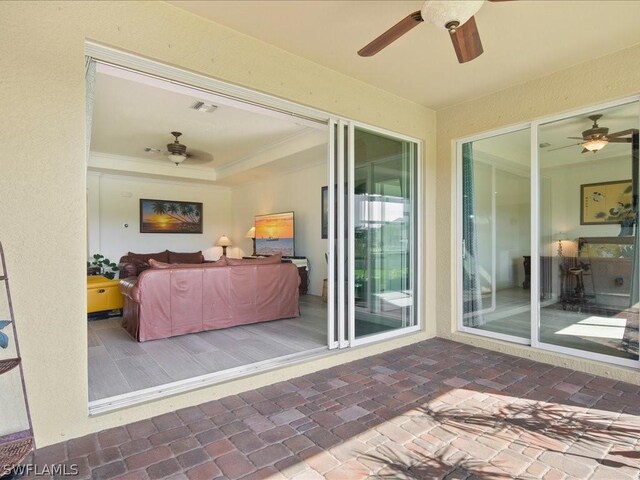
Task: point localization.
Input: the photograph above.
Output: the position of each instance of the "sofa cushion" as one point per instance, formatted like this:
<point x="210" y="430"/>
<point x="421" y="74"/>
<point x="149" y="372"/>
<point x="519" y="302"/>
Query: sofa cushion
<point x="160" y="265"/>
<point x="145" y="257"/>
<point x="177" y="257"/>
<point x="273" y="259"/>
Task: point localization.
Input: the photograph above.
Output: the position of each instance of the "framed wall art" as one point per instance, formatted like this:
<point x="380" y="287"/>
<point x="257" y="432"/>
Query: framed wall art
<point x="606" y="202"/>
<point x="170" y="216"/>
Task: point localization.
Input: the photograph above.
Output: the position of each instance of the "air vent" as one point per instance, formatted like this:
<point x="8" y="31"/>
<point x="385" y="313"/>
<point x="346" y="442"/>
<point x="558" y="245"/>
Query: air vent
<point x="204" y="107"/>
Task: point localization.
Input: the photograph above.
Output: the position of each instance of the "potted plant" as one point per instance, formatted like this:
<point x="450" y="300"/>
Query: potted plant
<point x="107" y="268"/>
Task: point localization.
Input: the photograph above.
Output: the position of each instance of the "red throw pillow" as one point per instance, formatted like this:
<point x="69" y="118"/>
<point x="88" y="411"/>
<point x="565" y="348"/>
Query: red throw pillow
<point x="273" y="259"/>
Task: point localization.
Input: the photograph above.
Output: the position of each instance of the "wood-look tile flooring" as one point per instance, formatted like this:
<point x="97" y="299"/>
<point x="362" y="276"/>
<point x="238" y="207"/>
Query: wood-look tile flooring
<point x="614" y="333"/>
<point x="119" y="364"/>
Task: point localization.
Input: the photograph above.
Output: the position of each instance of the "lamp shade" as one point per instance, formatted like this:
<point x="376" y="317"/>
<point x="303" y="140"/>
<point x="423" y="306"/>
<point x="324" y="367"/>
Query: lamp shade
<point x="176" y="158"/>
<point x="251" y="233"/>
<point x="223" y="241"/>
<point x="595" y="145"/>
<point x="560" y="236"/>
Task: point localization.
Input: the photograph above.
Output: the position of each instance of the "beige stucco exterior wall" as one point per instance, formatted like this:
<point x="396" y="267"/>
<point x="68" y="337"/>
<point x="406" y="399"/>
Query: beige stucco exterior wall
<point x="597" y="81"/>
<point x="43" y="181"/>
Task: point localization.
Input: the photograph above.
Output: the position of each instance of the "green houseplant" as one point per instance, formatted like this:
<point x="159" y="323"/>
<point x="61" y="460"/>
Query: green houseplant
<point x="107" y="268"/>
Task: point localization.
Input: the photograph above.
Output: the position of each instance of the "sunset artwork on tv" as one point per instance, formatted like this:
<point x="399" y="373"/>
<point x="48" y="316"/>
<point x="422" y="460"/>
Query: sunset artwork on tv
<point x="275" y="234"/>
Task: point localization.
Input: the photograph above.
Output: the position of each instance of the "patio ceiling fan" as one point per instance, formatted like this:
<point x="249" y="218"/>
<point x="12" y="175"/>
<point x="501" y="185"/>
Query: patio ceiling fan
<point x="177" y="152"/>
<point x="596" y="138"/>
<point x="453" y="15"/>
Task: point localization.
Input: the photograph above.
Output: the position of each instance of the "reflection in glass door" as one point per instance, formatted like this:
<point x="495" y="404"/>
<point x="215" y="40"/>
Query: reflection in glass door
<point x="496" y="244"/>
<point x="384" y="234"/>
<point x="589" y="233"/>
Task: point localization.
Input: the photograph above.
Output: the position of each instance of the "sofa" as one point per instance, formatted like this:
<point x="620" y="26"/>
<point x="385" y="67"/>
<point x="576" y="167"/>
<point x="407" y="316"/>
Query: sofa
<point x="167" y="300"/>
<point x="133" y="264"/>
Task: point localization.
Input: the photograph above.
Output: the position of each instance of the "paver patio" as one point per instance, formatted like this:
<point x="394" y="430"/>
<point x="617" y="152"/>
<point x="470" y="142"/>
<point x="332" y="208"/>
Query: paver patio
<point x="436" y="409"/>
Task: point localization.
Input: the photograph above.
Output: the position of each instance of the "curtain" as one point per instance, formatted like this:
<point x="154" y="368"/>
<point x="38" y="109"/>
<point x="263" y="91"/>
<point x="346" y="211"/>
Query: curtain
<point x="90" y="81"/>
<point x="472" y="295"/>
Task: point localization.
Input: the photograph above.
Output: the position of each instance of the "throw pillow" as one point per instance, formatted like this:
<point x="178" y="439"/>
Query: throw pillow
<point x="145" y="257"/>
<point x="177" y="257"/>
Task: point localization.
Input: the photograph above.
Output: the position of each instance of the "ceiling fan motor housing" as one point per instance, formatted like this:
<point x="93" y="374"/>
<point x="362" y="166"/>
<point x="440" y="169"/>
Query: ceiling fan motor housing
<point x="444" y="14"/>
<point x="176" y="148"/>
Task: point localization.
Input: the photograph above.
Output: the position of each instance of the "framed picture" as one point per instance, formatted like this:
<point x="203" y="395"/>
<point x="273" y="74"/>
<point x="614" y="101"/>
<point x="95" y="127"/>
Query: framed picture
<point x="606" y="202"/>
<point x="169" y="216"/>
<point x="325" y="212"/>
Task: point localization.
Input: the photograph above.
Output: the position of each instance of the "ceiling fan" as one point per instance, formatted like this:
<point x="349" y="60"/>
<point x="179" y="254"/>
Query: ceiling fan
<point x="177" y="152"/>
<point x="596" y="138"/>
<point x="453" y="15"/>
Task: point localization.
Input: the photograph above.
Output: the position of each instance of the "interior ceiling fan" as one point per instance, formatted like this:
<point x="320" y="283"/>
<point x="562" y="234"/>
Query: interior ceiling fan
<point x="596" y="138"/>
<point x="177" y="152"/>
<point x="453" y="15"/>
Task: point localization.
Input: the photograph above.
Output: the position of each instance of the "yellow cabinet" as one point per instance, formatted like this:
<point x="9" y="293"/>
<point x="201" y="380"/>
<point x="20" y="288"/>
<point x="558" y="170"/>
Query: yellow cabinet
<point x="103" y="294"/>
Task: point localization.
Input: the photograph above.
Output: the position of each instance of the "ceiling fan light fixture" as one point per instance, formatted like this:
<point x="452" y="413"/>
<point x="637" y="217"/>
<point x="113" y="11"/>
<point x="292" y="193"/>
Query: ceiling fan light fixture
<point x="176" y="158"/>
<point x="595" y="145"/>
<point x="446" y="12"/>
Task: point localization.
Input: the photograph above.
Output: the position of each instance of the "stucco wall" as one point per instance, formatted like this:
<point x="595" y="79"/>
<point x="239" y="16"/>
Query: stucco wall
<point x="597" y="81"/>
<point x="43" y="181"/>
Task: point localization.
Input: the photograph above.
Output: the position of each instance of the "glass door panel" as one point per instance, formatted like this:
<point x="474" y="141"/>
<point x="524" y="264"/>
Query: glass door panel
<point x="496" y="244"/>
<point x="384" y="233"/>
<point x="588" y="232"/>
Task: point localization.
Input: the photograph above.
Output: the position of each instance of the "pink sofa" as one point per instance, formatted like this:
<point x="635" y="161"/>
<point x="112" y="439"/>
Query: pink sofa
<point x="172" y="300"/>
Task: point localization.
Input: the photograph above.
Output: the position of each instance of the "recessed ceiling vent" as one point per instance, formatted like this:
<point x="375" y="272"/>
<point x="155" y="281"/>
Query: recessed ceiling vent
<point x="204" y="107"/>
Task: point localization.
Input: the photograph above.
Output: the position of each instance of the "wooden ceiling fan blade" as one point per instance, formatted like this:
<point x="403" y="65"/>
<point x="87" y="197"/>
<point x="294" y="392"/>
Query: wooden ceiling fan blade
<point x="630" y="131"/>
<point x="391" y="35"/>
<point x="619" y="140"/>
<point x="560" y="148"/>
<point x="466" y="41"/>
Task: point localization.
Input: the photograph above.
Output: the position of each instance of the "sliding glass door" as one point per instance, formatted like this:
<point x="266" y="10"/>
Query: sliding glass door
<point x="548" y="246"/>
<point x="376" y="185"/>
<point x="496" y="242"/>
<point x="384" y="232"/>
<point x="588" y="233"/>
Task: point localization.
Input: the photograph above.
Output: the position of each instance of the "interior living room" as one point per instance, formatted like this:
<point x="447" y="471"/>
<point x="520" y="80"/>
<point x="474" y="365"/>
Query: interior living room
<point x="242" y="164"/>
<point x="475" y="253"/>
<point x="248" y="174"/>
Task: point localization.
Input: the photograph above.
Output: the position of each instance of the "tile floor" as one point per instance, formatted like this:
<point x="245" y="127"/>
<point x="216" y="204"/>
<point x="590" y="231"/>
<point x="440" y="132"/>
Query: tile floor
<point x="437" y="409"/>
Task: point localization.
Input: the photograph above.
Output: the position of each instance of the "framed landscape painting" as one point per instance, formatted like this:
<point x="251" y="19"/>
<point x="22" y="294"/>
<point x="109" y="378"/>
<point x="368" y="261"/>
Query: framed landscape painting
<point x="169" y="216"/>
<point x="606" y="202"/>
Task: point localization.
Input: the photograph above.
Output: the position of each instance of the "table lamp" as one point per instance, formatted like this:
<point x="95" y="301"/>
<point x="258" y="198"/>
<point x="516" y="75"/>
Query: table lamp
<point x="252" y="235"/>
<point x="224" y="242"/>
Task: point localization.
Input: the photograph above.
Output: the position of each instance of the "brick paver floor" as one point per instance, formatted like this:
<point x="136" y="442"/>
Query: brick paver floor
<point x="437" y="409"/>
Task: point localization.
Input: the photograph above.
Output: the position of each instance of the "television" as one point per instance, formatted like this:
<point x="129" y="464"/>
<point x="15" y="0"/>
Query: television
<point x="275" y="234"/>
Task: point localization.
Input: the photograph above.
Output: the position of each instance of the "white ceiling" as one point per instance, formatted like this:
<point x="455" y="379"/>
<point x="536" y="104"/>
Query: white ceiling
<point x="521" y="39"/>
<point x="237" y="142"/>
<point x="513" y="149"/>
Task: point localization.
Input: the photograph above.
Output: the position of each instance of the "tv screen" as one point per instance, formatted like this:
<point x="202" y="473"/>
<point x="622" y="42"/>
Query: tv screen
<point x="275" y="234"/>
